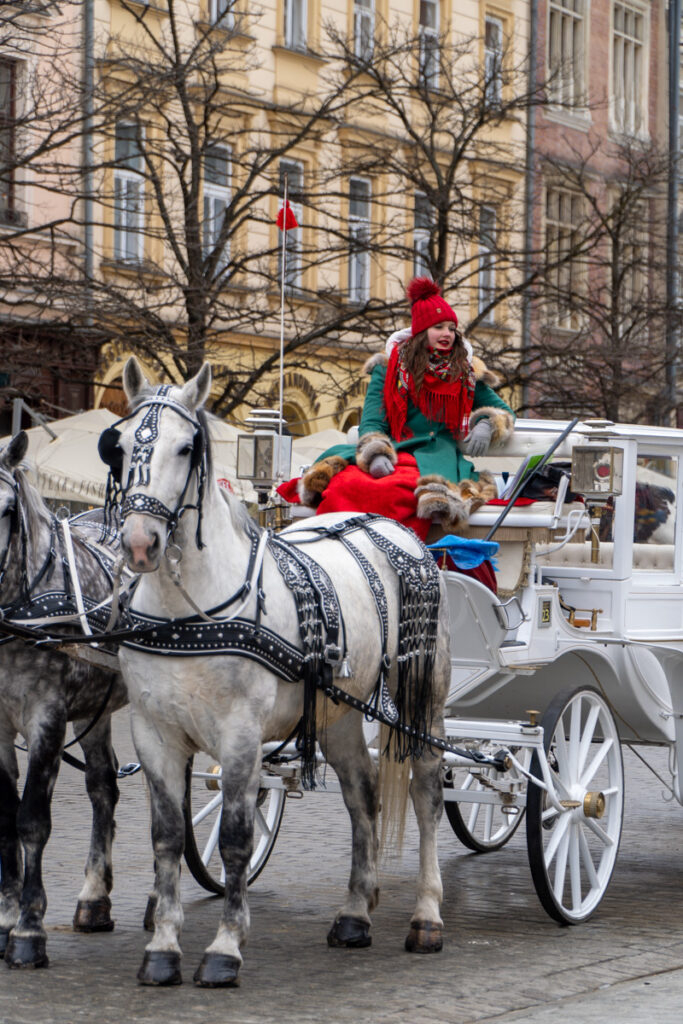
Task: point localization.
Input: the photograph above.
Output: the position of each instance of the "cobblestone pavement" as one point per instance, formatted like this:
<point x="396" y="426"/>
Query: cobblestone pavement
<point x="504" y="960"/>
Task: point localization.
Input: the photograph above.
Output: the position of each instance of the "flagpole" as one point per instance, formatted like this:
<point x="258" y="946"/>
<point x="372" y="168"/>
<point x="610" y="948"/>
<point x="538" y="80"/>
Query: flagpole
<point x="280" y="474"/>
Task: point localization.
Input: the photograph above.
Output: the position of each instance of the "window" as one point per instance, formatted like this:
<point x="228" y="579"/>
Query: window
<point x="363" y="28"/>
<point x="493" y="61"/>
<point x="628" y="68"/>
<point x="423" y="223"/>
<point x="630" y="263"/>
<point x="216" y="200"/>
<point x="654" y="519"/>
<point x="295" y="24"/>
<point x="128" y="194"/>
<point x="220" y="12"/>
<point x="566" y="56"/>
<point x="359" y="234"/>
<point x="487" y="261"/>
<point x="429" y="42"/>
<point x="8" y="112"/>
<point x="292" y="171"/>
<point x="563" y="217"/>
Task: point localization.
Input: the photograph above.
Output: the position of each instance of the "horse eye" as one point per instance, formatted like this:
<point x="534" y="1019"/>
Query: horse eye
<point x="185" y="450"/>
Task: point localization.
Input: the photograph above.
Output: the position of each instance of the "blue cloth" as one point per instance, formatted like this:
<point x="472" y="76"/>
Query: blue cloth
<point x="466" y="552"/>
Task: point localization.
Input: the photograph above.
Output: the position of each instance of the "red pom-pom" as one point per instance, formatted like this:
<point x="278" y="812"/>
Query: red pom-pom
<point x="422" y="288"/>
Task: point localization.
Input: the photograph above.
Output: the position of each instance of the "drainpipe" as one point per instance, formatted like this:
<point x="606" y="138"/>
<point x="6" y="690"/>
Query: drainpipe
<point x="88" y="119"/>
<point x="672" y="271"/>
<point x="529" y="185"/>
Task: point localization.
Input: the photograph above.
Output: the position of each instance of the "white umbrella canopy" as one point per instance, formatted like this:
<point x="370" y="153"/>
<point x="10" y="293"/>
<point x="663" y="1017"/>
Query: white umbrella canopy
<point x="305" y="450"/>
<point x="69" y="468"/>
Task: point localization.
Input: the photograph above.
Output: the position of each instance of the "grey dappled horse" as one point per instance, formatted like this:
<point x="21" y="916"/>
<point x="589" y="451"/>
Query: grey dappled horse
<point x="40" y="691"/>
<point x="229" y="704"/>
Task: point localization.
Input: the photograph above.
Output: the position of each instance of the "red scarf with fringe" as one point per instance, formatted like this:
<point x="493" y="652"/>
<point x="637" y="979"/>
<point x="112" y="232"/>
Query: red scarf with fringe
<point x="440" y="400"/>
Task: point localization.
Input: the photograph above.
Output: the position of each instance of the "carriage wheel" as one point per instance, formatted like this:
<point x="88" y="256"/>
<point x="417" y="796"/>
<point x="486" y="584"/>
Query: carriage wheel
<point x="572" y="853"/>
<point x="203" y="804"/>
<point x="484" y="827"/>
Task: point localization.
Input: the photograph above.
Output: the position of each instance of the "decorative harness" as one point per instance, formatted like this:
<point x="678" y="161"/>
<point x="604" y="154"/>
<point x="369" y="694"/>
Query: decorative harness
<point x="322" y="653"/>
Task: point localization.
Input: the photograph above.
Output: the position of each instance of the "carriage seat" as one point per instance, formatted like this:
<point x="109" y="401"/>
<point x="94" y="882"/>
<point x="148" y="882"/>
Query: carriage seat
<point x="646" y="557"/>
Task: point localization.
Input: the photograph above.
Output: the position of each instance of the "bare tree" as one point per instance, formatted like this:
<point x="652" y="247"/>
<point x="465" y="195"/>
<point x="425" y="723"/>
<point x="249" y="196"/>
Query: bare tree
<point x="598" y="346"/>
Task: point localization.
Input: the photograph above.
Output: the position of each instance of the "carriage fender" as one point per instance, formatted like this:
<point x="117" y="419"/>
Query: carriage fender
<point x="671" y="660"/>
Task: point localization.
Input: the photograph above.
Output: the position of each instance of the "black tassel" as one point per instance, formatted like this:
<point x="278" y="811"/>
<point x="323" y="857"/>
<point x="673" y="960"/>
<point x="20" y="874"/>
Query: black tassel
<point x="307" y="737"/>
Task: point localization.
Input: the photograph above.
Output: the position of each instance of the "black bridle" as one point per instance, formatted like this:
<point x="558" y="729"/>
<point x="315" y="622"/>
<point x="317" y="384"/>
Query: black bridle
<point x="120" y="497"/>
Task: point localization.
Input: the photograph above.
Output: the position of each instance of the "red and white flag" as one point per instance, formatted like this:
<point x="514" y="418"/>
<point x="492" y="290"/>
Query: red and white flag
<point x="286" y="219"/>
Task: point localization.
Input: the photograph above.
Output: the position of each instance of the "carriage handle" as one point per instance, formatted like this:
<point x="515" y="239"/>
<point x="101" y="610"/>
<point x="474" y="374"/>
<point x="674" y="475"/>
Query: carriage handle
<point x="521" y="484"/>
<point x="502" y="615"/>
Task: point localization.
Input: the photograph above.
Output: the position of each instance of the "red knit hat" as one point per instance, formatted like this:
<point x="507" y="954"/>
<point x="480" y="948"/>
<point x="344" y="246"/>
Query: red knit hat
<point x="429" y="306"/>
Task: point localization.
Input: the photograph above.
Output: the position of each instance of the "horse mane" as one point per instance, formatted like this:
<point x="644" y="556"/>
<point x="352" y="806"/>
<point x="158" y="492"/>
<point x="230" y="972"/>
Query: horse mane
<point x="37" y="514"/>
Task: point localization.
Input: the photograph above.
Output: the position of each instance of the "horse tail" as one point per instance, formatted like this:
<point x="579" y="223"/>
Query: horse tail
<point x="394" y="788"/>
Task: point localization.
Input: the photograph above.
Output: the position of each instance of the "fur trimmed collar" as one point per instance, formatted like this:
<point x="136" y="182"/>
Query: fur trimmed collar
<point x="479" y="368"/>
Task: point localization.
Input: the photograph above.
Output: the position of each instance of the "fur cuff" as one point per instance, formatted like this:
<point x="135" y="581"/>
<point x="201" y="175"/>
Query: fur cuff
<point x="371" y="445"/>
<point x="316" y="478"/>
<point x="449" y="504"/>
<point x="502" y="422"/>
<point x="438" y="500"/>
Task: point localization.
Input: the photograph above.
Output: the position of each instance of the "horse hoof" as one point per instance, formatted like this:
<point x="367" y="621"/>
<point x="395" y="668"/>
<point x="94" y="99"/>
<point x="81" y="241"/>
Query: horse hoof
<point x="160" y="967"/>
<point x="217" y="970"/>
<point x="4" y="939"/>
<point x="351" y="932"/>
<point x="93" y="916"/>
<point x="150" y="911"/>
<point x="26" y="951"/>
<point x="424" y="937"/>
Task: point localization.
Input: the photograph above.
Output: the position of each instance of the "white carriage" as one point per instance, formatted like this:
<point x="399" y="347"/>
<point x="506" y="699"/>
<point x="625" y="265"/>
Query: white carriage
<point x="580" y="651"/>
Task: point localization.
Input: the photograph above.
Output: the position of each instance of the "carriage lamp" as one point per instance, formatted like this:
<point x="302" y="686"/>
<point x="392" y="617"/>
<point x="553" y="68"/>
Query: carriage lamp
<point x="265" y="454"/>
<point x="597" y="474"/>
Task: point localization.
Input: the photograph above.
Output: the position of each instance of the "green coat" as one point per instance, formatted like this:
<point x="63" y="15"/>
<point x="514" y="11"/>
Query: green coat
<point x="432" y="444"/>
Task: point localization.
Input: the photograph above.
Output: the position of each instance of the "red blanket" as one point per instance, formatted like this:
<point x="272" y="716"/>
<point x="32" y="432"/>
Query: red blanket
<point x="393" y="496"/>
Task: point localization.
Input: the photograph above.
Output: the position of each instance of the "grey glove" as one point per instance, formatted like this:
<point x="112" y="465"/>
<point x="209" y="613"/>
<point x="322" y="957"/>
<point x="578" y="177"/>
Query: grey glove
<point x="380" y="466"/>
<point x="478" y="440"/>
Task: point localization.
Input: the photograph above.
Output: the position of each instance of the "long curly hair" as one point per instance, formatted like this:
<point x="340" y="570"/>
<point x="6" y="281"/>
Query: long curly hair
<point x="416" y="357"/>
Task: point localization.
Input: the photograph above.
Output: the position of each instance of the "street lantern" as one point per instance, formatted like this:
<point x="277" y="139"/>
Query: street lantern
<point x="264" y="456"/>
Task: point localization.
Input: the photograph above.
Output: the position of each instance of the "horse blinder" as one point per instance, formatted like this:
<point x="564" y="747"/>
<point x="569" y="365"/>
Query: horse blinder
<point x="111" y="452"/>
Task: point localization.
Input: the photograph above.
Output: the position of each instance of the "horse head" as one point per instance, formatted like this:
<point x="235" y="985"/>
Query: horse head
<point x="10" y="460"/>
<point x="159" y="456"/>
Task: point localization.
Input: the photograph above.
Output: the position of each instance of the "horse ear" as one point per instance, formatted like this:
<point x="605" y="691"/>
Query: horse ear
<point x="196" y="391"/>
<point x="134" y="380"/>
<point x="16" y="449"/>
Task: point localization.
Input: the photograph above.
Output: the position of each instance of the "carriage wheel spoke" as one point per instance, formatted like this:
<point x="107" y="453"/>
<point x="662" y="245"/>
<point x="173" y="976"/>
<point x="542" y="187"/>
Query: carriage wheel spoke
<point x="559" y="833"/>
<point x="586" y="739"/>
<point x="599" y="832"/>
<point x="575" y="868"/>
<point x="561" y="865"/>
<point x="562" y="755"/>
<point x="206" y="811"/>
<point x="211" y="841"/>
<point x="588" y="860"/>
<point x="574" y="735"/>
<point x="488" y="822"/>
<point x="600" y="756"/>
<point x="474" y="814"/>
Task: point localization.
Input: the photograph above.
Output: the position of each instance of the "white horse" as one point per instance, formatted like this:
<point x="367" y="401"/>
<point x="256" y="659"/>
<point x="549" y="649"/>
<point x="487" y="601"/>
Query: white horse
<point x="195" y="546"/>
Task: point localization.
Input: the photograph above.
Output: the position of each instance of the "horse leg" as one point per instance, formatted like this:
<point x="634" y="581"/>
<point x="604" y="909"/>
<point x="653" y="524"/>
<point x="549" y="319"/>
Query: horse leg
<point x="426" y="791"/>
<point x="164" y="762"/>
<point x="93" y="910"/>
<point x="241" y="773"/>
<point x="11" y="867"/>
<point x="26" y="943"/>
<point x="345" y="750"/>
